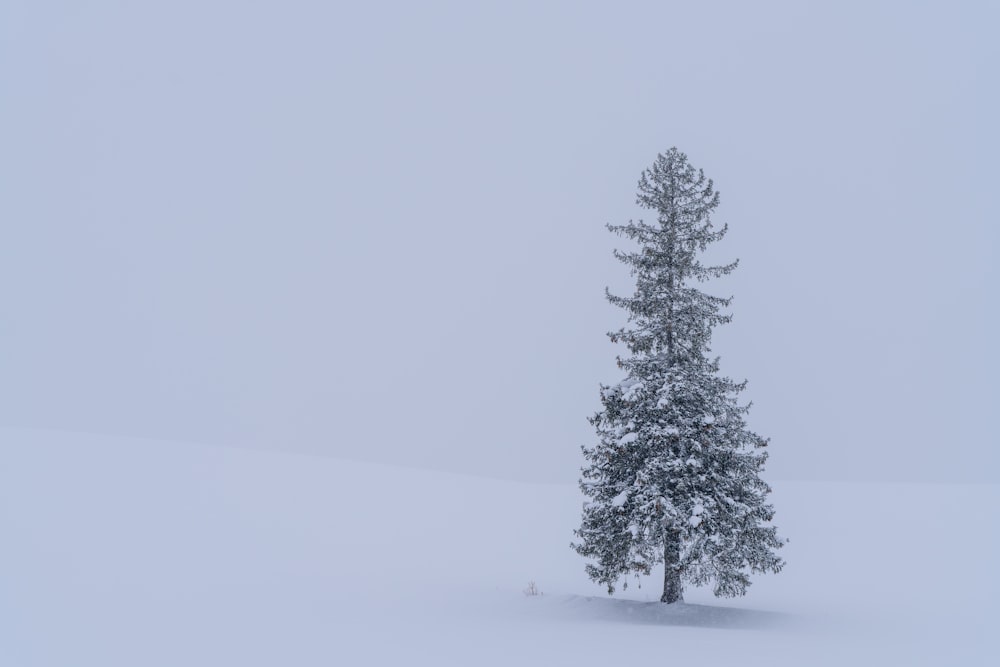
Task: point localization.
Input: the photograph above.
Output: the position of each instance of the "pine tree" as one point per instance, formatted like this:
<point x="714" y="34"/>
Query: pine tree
<point x="674" y="475"/>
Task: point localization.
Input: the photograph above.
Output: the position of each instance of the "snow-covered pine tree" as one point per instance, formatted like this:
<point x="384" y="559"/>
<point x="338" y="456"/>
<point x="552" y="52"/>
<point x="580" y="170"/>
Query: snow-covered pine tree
<point x="674" y="476"/>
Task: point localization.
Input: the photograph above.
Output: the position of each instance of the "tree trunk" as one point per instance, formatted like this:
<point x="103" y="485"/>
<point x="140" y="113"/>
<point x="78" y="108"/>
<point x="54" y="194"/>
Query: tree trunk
<point x="673" y="591"/>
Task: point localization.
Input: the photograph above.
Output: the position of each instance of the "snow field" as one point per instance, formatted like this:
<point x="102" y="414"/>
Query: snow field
<point x="131" y="552"/>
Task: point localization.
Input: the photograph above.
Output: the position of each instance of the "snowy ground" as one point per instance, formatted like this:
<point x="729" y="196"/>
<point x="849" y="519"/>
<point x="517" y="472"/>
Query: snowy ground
<point x="130" y="552"/>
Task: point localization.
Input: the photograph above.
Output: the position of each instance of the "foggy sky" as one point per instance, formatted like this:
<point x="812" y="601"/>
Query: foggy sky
<point x="378" y="232"/>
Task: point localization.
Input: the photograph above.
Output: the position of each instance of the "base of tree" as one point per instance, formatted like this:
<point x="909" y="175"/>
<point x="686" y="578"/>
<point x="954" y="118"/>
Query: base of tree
<point x="673" y="591"/>
<point x="671" y="599"/>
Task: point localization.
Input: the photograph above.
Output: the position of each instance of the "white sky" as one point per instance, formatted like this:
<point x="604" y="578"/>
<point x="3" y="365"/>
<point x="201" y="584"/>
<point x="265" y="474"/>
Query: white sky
<point x="378" y="232"/>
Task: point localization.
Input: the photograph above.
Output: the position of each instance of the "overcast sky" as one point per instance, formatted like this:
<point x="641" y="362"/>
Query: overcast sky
<point x="376" y="230"/>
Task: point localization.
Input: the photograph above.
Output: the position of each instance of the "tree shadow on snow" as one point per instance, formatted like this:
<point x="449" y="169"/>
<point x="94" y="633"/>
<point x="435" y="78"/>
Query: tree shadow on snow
<point x="678" y="614"/>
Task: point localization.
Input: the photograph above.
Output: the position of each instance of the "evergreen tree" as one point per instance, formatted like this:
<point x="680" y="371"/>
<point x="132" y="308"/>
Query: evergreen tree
<point x="674" y="476"/>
